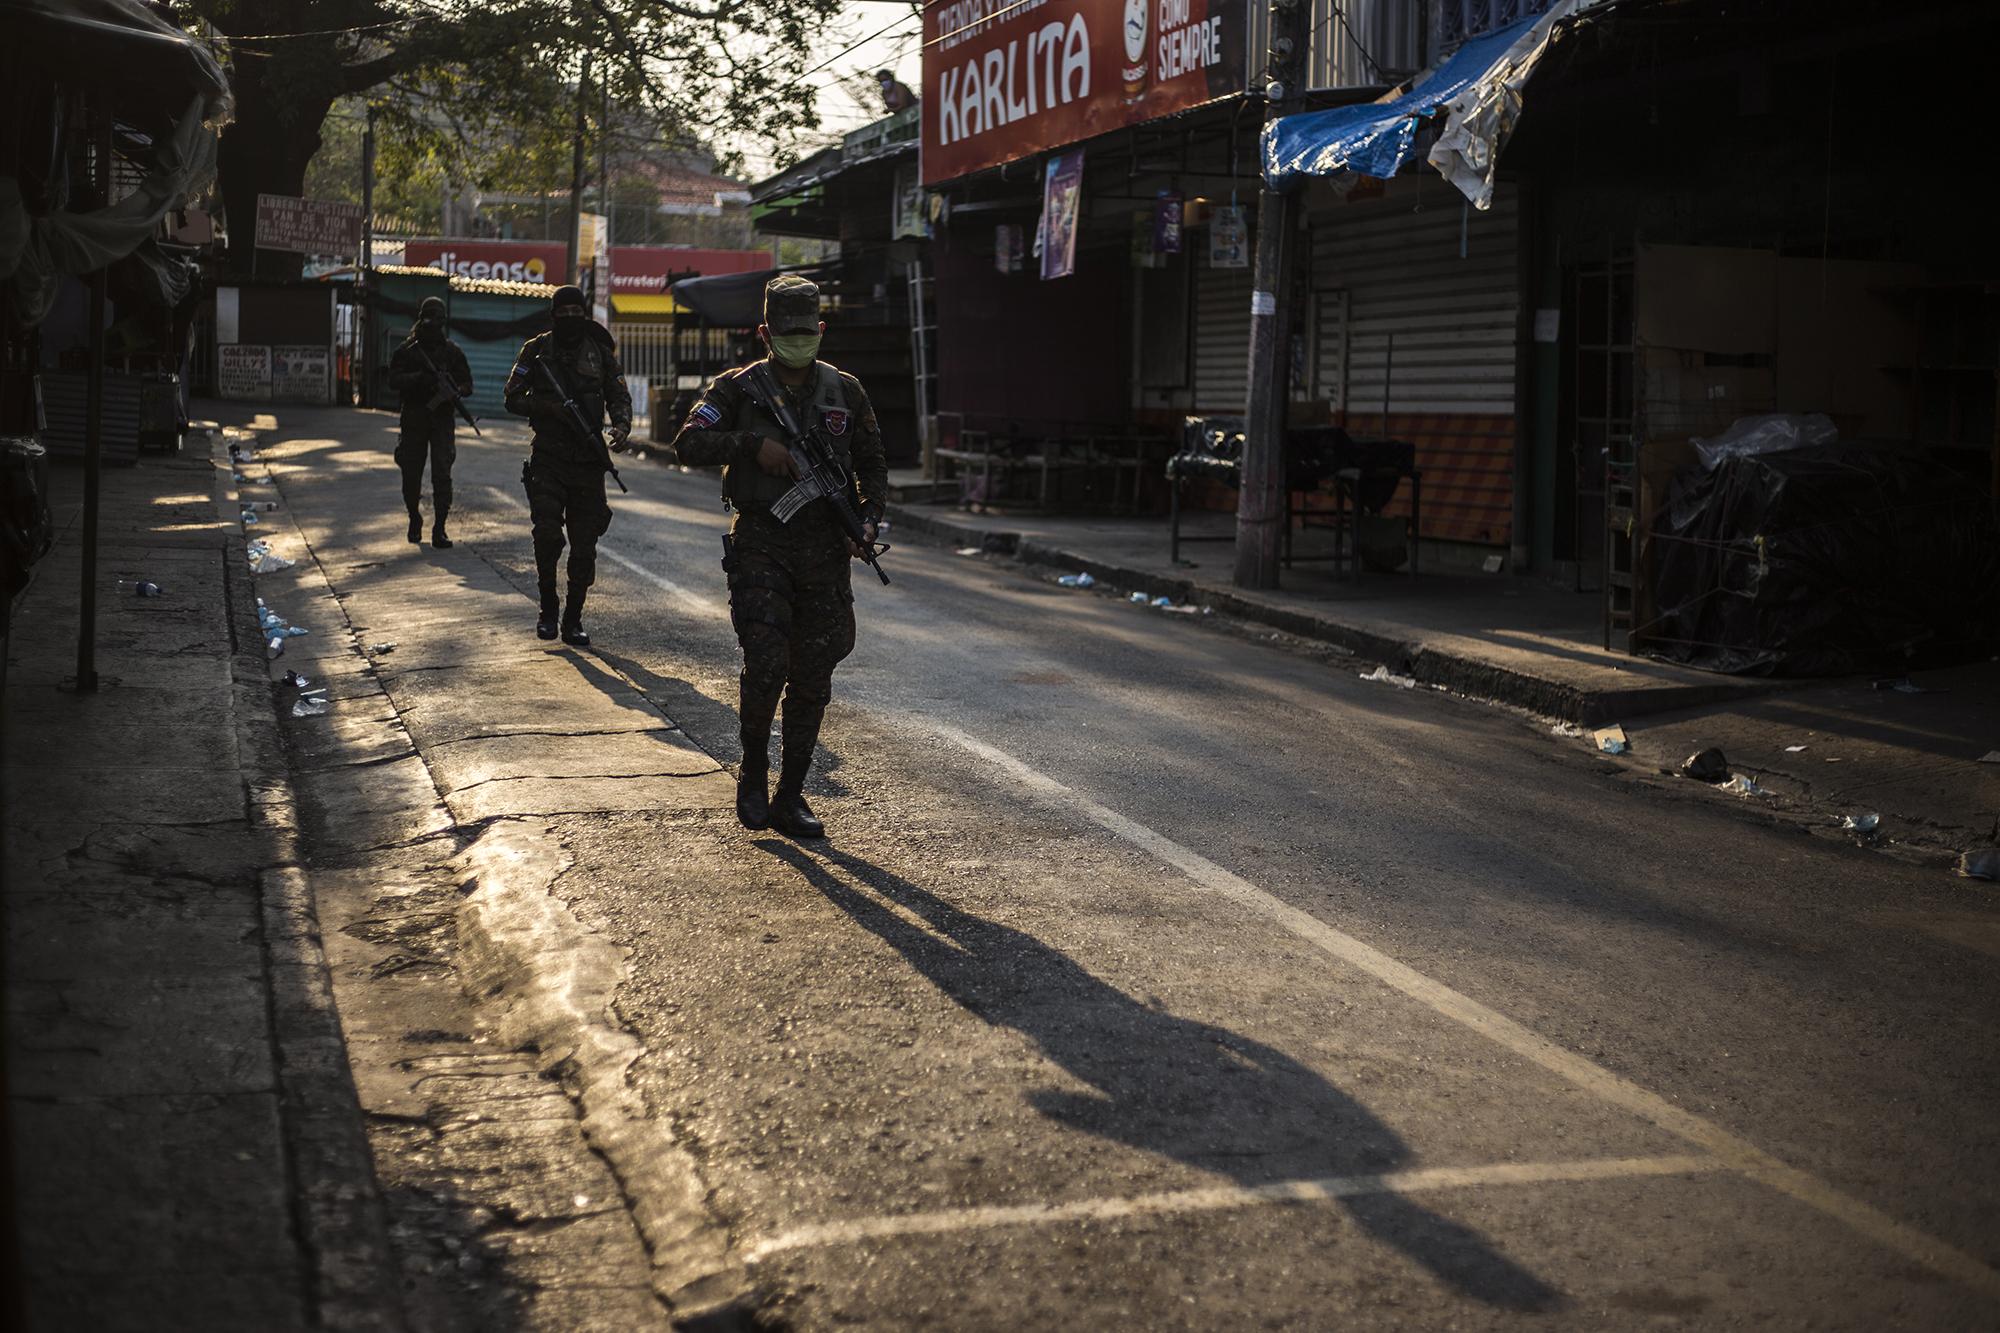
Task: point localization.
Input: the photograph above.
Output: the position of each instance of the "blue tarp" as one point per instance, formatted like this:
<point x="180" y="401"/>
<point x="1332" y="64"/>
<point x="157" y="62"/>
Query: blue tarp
<point x="1376" y="138"/>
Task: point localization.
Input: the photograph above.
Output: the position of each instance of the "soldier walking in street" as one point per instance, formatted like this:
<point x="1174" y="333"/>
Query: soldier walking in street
<point x="567" y="382"/>
<point x="790" y="597"/>
<point x="431" y="374"/>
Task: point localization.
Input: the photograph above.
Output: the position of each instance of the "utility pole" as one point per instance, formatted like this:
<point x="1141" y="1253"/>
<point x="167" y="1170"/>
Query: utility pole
<point x="93" y="418"/>
<point x="1261" y="500"/>
<point x="603" y="197"/>
<point x="576" y="168"/>
<point x="365" y="279"/>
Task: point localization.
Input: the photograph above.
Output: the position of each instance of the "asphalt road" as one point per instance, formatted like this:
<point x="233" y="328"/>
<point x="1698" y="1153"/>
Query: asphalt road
<point x="1158" y="975"/>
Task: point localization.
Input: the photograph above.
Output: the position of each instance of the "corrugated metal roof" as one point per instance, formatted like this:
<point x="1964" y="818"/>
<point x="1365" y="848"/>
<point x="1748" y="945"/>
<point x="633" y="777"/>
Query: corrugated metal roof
<point x="476" y="286"/>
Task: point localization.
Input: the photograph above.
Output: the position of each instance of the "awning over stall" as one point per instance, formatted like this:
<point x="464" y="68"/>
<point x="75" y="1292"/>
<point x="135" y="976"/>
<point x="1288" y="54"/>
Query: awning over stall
<point x="1478" y="88"/>
<point x="736" y="300"/>
<point x="728" y="300"/>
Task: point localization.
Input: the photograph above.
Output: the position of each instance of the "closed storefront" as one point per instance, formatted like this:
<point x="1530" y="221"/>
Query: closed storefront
<point x="1417" y="324"/>
<point x="1221" y="340"/>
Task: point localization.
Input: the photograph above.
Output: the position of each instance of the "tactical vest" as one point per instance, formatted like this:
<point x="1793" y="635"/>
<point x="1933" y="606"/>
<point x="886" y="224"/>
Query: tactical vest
<point x="747" y="487"/>
<point x="582" y="367"/>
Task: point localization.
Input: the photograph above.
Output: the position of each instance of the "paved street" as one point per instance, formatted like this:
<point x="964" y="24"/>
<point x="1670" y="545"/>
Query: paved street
<point x="1154" y="975"/>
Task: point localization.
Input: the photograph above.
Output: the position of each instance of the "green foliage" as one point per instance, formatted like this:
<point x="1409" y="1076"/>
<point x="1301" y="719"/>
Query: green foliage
<point x="494" y="85"/>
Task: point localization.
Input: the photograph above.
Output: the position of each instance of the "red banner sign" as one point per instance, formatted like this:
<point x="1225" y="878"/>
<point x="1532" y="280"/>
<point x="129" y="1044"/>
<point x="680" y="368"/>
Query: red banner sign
<point x="1006" y="79"/>
<point x="644" y="269"/>
<point x="506" y="261"/>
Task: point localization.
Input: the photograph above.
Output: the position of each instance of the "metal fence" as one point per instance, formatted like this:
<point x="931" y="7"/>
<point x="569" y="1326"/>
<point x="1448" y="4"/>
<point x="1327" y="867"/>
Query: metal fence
<point x="646" y="349"/>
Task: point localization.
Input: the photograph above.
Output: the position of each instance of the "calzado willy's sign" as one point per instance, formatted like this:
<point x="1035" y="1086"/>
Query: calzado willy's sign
<point x="1006" y="79"/>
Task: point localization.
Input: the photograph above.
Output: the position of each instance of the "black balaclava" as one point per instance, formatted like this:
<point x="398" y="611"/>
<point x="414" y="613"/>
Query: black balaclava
<point x="430" y="320"/>
<point x="569" y="328"/>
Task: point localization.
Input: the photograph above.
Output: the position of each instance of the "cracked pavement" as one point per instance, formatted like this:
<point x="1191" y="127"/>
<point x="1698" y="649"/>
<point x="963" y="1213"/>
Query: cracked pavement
<point x="1153" y="976"/>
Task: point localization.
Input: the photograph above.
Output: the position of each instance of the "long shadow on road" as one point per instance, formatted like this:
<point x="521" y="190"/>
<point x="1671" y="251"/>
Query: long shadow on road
<point x="1178" y="1087"/>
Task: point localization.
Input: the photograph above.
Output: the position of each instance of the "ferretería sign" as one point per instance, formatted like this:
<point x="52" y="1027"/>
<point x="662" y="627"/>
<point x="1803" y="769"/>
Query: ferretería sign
<point x="1006" y="79"/>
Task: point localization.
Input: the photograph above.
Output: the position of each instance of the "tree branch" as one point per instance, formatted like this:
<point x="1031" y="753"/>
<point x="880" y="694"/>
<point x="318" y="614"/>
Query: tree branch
<point x="360" y="78"/>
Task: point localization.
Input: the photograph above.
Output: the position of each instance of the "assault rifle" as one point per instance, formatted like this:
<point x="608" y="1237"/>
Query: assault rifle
<point x="448" y="392"/>
<point x="820" y="477"/>
<point x="574" y="415"/>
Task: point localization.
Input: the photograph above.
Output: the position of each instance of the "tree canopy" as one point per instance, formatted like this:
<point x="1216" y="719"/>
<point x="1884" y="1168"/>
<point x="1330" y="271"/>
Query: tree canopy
<point x="504" y="73"/>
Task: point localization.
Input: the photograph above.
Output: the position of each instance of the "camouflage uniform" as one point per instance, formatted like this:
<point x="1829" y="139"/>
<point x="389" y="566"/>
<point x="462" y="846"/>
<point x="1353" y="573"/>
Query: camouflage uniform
<point x="790" y="597"/>
<point x="428" y="419"/>
<point x="564" y="474"/>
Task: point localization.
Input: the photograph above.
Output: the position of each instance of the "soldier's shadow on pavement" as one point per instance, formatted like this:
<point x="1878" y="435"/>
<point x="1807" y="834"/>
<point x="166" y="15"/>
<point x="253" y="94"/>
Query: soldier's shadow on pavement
<point x="1178" y="1087"/>
<point x="708" y="723"/>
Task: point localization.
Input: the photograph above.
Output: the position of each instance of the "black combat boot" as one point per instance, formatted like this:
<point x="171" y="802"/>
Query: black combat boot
<point x="572" y="619"/>
<point x="790" y="814"/>
<point x="438" y="539"/>
<point x="416" y="528"/>
<point x="753" y="804"/>
<point x="545" y="624"/>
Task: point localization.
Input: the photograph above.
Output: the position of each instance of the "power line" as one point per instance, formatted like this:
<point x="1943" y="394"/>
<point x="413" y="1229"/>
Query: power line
<point x="849" y="51"/>
<point x="317" y="32"/>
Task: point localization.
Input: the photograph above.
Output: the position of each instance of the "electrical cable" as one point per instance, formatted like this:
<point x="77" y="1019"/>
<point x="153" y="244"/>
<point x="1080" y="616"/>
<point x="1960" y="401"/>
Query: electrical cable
<point x="849" y="51"/>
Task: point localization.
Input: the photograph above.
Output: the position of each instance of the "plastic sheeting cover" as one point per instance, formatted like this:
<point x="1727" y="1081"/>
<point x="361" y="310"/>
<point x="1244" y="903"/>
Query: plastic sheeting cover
<point x="1376" y="138"/>
<point x="1825" y="561"/>
<point x="122" y="46"/>
<point x="31" y="256"/>
<point x="1478" y="87"/>
<point x="1480" y="118"/>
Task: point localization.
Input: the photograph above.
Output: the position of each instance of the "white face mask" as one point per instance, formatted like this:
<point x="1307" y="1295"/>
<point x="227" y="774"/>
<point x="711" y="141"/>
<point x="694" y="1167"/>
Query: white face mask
<point x="795" y="350"/>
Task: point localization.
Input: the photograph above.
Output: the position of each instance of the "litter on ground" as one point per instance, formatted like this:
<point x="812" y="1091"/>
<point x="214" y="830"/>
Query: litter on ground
<point x="1383" y="675"/>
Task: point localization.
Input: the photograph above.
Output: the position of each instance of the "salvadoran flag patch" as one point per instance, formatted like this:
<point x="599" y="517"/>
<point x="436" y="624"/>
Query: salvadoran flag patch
<point x="704" y="416"/>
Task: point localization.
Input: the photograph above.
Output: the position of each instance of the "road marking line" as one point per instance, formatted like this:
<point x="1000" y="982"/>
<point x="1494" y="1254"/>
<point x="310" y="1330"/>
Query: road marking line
<point x="689" y="600"/>
<point x="1220" y="1197"/>
<point x="1736" y="1152"/>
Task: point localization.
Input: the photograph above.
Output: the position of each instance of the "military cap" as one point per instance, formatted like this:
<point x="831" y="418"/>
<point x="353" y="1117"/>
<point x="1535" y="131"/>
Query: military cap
<point x="791" y="304"/>
<point x="431" y="305"/>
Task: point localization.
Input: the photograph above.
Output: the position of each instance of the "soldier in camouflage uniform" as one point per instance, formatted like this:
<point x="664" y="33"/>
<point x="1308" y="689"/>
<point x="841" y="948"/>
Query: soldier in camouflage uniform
<point x="565" y="470"/>
<point x="789" y="593"/>
<point x="428" y="416"/>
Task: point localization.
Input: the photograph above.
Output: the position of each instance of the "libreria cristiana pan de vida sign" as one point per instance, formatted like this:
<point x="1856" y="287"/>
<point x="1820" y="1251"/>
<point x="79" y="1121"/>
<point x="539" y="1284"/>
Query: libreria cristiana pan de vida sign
<point x="1007" y="79"/>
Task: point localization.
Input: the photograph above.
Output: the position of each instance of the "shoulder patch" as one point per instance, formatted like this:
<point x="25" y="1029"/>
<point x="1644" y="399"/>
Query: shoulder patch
<point x="704" y="416"/>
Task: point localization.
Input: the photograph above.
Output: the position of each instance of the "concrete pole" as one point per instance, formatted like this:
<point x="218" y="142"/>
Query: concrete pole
<point x="1261" y="500"/>
<point x="93" y="432"/>
<point x="364" y="280"/>
<point x="576" y="171"/>
<point x="604" y="190"/>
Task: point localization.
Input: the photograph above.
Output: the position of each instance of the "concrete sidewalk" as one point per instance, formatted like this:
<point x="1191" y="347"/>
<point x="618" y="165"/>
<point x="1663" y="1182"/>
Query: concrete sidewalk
<point x="510" y="1149"/>
<point x="185" y="1140"/>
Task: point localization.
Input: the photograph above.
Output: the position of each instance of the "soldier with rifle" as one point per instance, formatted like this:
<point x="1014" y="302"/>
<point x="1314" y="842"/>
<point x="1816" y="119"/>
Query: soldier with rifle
<point x="567" y="382"/>
<point x="804" y="470"/>
<point x="433" y="378"/>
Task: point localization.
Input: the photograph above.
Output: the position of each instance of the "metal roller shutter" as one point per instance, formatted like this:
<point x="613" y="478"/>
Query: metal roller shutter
<point x="1443" y="282"/>
<point x="1221" y="340"/>
<point x="65" y="398"/>
<point x="1454" y="319"/>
